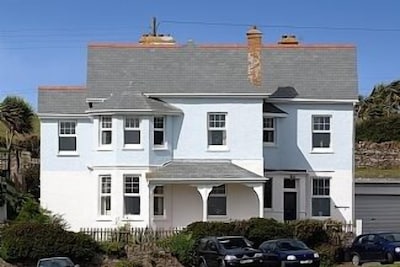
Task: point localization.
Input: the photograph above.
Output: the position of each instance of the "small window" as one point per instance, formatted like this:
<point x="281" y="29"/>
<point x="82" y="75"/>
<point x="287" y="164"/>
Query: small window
<point x="268" y="194"/>
<point x="159" y="200"/>
<point x="105" y="195"/>
<point x="217" y="129"/>
<point x="67" y="136"/>
<point x="321" y="134"/>
<point x="269" y="130"/>
<point x="131" y="195"/>
<point x="132" y="131"/>
<point x="289" y="183"/>
<point x="217" y="201"/>
<point x="159" y="131"/>
<point x="321" y="201"/>
<point x="105" y="130"/>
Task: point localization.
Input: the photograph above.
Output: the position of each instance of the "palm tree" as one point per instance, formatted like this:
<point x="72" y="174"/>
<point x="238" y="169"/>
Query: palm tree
<point x="16" y="115"/>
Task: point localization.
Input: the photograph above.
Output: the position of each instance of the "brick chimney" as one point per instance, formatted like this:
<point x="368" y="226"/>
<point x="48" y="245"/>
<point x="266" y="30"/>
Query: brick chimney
<point x="254" y="43"/>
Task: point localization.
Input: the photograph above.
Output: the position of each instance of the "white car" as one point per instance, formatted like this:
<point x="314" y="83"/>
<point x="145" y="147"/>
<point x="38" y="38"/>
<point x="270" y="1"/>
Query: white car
<point x="56" y="262"/>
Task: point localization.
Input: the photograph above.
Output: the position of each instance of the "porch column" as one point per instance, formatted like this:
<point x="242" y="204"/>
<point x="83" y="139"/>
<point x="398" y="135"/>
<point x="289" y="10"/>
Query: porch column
<point x="204" y="191"/>
<point x="151" y="206"/>
<point x="259" y="189"/>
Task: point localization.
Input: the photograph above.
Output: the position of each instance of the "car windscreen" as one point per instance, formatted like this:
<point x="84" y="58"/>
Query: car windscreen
<point x="56" y="263"/>
<point x="391" y="237"/>
<point x="232" y="243"/>
<point x="291" y="245"/>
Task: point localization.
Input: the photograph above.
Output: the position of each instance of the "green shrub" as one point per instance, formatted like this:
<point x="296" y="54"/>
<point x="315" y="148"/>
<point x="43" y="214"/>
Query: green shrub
<point x="379" y="129"/>
<point x="182" y="246"/>
<point x="29" y="241"/>
<point x="329" y="254"/>
<point x="261" y="229"/>
<point x="113" y="249"/>
<point x="311" y="232"/>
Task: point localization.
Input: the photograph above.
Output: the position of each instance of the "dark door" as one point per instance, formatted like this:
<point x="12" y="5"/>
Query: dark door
<point x="289" y="206"/>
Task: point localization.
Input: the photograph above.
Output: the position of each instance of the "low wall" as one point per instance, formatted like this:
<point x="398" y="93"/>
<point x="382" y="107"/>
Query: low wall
<point x="379" y="155"/>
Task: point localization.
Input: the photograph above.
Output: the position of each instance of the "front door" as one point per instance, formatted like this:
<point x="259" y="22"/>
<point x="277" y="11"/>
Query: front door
<point x="290" y="206"/>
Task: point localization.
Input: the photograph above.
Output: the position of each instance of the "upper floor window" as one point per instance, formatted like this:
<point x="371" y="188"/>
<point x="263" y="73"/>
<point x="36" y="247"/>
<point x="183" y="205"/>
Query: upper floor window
<point x="105" y="195"/>
<point x="321" y="201"/>
<point x="67" y="136"/>
<point x="159" y="200"/>
<point x="159" y="131"/>
<point x="269" y="130"/>
<point x="217" y="129"/>
<point x="132" y="131"/>
<point x="131" y="195"/>
<point x="105" y="130"/>
<point x="217" y="201"/>
<point x="321" y="132"/>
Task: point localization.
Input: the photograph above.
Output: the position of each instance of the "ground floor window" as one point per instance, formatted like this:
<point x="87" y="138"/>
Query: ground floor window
<point x="217" y="201"/>
<point x="321" y="201"/>
<point x="159" y="201"/>
<point x="105" y="195"/>
<point x="131" y="195"/>
<point x="268" y="194"/>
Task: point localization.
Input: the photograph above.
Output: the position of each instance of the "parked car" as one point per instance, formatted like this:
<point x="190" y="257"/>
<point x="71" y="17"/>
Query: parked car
<point x="288" y="252"/>
<point x="227" y="251"/>
<point x="56" y="262"/>
<point x="375" y="247"/>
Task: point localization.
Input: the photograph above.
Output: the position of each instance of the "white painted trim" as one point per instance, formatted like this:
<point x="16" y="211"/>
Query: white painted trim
<point x="131" y="111"/>
<point x="309" y="100"/>
<point x="275" y="115"/>
<point x="213" y="95"/>
<point x="208" y="181"/>
<point x="59" y="115"/>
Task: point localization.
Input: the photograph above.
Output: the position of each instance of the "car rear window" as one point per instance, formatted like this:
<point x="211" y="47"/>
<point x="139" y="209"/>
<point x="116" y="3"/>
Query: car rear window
<point x="232" y="243"/>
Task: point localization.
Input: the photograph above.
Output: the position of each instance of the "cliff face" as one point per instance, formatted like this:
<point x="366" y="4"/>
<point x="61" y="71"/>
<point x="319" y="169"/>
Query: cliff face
<point x="378" y="155"/>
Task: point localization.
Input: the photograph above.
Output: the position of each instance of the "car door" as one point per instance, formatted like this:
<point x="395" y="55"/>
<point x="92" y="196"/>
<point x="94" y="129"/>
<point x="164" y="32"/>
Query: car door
<point x="211" y="254"/>
<point x="270" y="254"/>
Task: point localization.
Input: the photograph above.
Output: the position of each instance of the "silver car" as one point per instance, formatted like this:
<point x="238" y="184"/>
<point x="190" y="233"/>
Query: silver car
<point x="56" y="262"/>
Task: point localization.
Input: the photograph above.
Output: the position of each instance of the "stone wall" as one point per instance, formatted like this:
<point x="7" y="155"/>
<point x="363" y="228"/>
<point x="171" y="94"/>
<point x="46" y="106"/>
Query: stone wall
<point x="378" y="155"/>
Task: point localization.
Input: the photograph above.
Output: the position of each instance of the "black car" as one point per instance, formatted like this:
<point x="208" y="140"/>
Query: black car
<point x="375" y="247"/>
<point x="227" y="251"/>
<point x="56" y="262"/>
<point x="288" y="252"/>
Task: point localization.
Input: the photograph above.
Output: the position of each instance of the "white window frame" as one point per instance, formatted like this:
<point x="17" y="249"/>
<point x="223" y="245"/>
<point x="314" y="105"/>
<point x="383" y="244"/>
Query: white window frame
<point x="67" y="132"/>
<point x="105" y="125"/>
<point x="159" y="129"/>
<point x="316" y="194"/>
<point x="223" y="128"/>
<point x="216" y="192"/>
<point x="269" y="129"/>
<point x="160" y="195"/>
<point x="132" y="123"/>
<point x="104" y="194"/>
<point x="321" y="131"/>
<point x="131" y="194"/>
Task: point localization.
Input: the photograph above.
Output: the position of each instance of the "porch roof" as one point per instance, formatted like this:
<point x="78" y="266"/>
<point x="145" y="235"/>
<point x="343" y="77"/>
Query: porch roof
<point x="203" y="171"/>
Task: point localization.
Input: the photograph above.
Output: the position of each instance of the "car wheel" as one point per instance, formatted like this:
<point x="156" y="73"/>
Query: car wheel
<point x="355" y="259"/>
<point x="389" y="258"/>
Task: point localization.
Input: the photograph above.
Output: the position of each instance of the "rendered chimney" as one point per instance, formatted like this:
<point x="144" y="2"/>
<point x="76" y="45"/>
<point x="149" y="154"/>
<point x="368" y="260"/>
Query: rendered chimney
<point x="254" y="43"/>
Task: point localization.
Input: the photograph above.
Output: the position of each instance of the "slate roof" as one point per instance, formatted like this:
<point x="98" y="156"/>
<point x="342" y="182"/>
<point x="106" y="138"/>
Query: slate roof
<point x="123" y="73"/>
<point x="316" y="72"/>
<point x="195" y="169"/>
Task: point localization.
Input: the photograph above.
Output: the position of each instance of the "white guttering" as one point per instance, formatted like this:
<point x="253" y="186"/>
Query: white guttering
<point x="60" y="115"/>
<point x="135" y="111"/>
<point x="309" y="100"/>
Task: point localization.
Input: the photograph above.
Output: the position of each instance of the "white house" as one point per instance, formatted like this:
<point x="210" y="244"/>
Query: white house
<point x="163" y="135"/>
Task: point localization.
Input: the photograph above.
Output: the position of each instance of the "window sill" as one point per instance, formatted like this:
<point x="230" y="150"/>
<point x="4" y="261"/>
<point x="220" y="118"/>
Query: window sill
<point x="322" y="151"/>
<point x="133" y="147"/>
<point x="104" y="218"/>
<point x="272" y="145"/>
<point x="322" y="218"/>
<point x="104" y="149"/>
<point x="217" y="149"/>
<point x="131" y="218"/>
<point x="160" y="218"/>
<point x="68" y="154"/>
<point x="217" y="216"/>
<point x="160" y="147"/>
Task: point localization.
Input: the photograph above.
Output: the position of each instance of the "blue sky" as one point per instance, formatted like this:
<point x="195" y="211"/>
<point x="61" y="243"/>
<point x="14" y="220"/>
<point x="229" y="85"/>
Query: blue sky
<point x="44" y="42"/>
